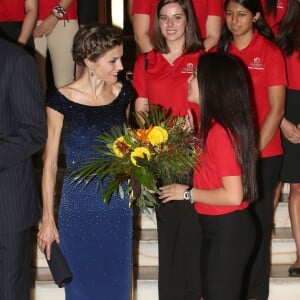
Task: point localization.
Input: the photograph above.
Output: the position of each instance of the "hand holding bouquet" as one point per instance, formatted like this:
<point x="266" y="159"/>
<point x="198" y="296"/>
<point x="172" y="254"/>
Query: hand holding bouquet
<point x="162" y="151"/>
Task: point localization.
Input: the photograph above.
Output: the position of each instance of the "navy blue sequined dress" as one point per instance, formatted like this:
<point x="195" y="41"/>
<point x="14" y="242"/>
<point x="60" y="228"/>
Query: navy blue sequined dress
<point x="95" y="237"/>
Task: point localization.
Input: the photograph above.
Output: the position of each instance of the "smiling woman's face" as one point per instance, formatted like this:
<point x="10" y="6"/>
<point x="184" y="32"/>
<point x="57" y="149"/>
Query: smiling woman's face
<point x="239" y="19"/>
<point x="172" y="22"/>
<point x="109" y="65"/>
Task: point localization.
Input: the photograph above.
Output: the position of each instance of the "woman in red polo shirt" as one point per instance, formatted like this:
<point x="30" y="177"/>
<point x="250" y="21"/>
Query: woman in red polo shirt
<point x="225" y="176"/>
<point x="274" y="11"/>
<point x="289" y="41"/>
<point x="160" y="77"/>
<point x="247" y="36"/>
<point x="209" y="15"/>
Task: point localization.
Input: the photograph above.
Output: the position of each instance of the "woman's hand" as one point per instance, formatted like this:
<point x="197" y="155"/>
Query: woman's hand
<point x="46" y="27"/>
<point x="189" y="122"/>
<point x="172" y="192"/>
<point x="46" y="235"/>
<point x="290" y="131"/>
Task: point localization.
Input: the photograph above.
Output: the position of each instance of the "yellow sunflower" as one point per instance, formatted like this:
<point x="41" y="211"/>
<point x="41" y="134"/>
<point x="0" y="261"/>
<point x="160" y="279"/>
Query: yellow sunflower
<point x="120" y="147"/>
<point x="139" y="152"/>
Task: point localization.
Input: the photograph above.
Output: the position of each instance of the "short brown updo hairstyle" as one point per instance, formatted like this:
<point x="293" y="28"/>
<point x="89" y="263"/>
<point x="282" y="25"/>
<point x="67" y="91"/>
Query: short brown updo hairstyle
<point x="93" y="41"/>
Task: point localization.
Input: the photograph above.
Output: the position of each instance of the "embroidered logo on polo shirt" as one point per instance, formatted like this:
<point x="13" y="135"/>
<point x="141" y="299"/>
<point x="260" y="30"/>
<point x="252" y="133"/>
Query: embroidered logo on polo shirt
<point x="189" y="69"/>
<point x="256" y="64"/>
<point x="280" y="4"/>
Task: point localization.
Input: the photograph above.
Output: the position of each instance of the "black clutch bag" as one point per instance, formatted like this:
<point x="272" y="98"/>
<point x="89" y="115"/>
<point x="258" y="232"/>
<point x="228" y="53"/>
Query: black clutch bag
<point x="58" y="266"/>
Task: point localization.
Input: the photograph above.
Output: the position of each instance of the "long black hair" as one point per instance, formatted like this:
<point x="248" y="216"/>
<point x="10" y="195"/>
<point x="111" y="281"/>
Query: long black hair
<point x="225" y="99"/>
<point x="289" y="29"/>
<point x="260" y="24"/>
<point x="271" y="8"/>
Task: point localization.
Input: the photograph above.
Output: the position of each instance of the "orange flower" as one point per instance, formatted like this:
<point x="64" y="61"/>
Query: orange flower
<point x="142" y="134"/>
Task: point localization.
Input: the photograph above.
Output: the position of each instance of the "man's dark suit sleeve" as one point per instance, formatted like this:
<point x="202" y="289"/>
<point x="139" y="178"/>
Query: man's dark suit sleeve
<point x="28" y="113"/>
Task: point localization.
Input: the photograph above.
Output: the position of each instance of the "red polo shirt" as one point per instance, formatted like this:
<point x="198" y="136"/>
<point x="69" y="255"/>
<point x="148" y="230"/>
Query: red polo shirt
<point x="203" y="8"/>
<point x="266" y="65"/>
<point x="166" y="84"/>
<point x="12" y="10"/>
<point x="274" y="21"/>
<point x="145" y="7"/>
<point x="216" y="162"/>
<point x="46" y="6"/>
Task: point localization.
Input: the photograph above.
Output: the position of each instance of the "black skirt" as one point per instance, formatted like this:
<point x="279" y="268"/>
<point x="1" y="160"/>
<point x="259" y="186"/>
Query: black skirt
<point x="290" y="171"/>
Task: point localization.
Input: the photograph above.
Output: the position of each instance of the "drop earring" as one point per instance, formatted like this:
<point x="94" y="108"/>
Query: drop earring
<point x="91" y="71"/>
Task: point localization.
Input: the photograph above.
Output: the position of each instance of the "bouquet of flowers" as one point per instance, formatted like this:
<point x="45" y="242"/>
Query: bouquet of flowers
<point x="160" y="152"/>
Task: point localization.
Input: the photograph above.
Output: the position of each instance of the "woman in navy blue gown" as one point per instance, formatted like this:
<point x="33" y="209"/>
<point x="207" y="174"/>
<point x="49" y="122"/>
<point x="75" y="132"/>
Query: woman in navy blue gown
<point x="95" y="237"/>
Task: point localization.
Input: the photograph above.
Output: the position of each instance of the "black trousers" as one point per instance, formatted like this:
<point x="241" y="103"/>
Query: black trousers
<point x="87" y="11"/>
<point x="179" y="251"/>
<point x="11" y="32"/>
<point x="227" y="245"/>
<point x="268" y="176"/>
<point x="14" y="266"/>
